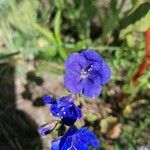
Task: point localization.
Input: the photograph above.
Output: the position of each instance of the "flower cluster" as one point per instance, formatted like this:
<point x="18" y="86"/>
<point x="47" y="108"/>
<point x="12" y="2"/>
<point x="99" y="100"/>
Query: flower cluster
<point x="86" y="73"/>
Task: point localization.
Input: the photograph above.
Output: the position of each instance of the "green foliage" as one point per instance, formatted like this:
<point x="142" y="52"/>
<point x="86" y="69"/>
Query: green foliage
<point x="111" y="18"/>
<point x="47" y="31"/>
<point x="57" y="26"/>
<point x="129" y="139"/>
<point x="137" y="20"/>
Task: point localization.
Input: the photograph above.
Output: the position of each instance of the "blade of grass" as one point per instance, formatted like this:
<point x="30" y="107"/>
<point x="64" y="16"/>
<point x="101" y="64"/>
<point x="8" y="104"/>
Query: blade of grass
<point x="2" y="56"/>
<point x="47" y="33"/>
<point x="18" y="144"/>
<point x="6" y="135"/>
<point x="57" y="32"/>
<point x="57" y="26"/>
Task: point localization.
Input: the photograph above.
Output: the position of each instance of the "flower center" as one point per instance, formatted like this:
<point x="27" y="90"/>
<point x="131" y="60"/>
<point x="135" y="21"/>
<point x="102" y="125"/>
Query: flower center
<point x="86" y="72"/>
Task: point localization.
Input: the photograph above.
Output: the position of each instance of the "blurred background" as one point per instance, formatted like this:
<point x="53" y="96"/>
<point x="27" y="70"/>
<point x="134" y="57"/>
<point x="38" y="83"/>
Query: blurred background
<point x="36" y="36"/>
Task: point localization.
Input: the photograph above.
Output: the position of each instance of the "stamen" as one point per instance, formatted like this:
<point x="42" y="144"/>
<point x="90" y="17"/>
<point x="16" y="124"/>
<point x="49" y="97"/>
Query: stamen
<point x="85" y="72"/>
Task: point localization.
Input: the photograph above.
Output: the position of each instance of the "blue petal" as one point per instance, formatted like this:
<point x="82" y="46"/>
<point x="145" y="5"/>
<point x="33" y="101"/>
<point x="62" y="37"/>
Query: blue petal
<point x="72" y="143"/>
<point x="91" y="89"/>
<point x="59" y="111"/>
<point x="103" y="70"/>
<point x="48" y="100"/>
<point x="95" y="77"/>
<point x="69" y="120"/>
<point x="71" y="131"/>
<point x="92" y="55"/>
<point x="79" y="145"/>
<point x="77" y="139"/>
<point x="80" y="139"/>
<point x="47" y="128"/>
<point x="66" y="110"/>
<point x="55" y="110"/>
<point x="88" y="137"/>
<point x="70" y="116"/>
<point x="73" y="83"/>
<point x="55" y="145"/>
<point x="66" y="101"/>
<point x="74" y="63"/>
<point x="67" y="144"/>
<point x="105" y="73"/>
<point x="78" y="112"/>
<point x="43" y="130"/>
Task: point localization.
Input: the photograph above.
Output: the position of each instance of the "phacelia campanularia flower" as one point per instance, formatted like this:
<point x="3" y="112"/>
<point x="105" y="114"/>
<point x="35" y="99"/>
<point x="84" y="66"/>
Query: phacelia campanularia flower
<point x="76" y="139"/>
<point x="47" y="128"/>
<point x="86" y="72"/>
<point x="64" y="108"/>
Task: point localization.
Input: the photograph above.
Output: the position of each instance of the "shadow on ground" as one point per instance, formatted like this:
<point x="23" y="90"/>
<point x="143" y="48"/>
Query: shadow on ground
<point x="17" y="130"/>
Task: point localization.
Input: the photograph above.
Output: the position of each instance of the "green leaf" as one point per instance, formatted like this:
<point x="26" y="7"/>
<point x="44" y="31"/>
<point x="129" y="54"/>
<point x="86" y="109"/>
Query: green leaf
<point x="138" y="20"/>
<point x="60" y="4"/>
<point x="57" y="31"/>
<point x="47" y="33"/>
<point x="117" y="146"/>
<point x="129" y="140"/>
<point x="8" y="55"/>
<point x="18" y="41"/>
<point x="47" y="53"/>
<point x="4" y="7"/>
<point x="111" y="19"/>
<point x="57" y="26"/>
<point x="62" y="52"/>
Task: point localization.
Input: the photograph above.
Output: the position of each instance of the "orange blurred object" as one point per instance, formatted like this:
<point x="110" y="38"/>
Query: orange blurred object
<point x="146" y="62"/>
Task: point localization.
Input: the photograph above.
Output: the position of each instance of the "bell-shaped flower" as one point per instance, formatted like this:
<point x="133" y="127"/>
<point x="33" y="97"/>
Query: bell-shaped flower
<point x="86" y="72"/>
<point x="47" y="128"/>
<point x="64" y="108"/>
<point x="76" y="139"/>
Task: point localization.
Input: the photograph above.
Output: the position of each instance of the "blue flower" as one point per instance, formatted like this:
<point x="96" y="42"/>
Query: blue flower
<point x="76" y="139"/>
<point x="86" y="72"/>
<point x="64" y="108"/>
<point x="44" y="130"/>
<point x="47" y="128"/>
